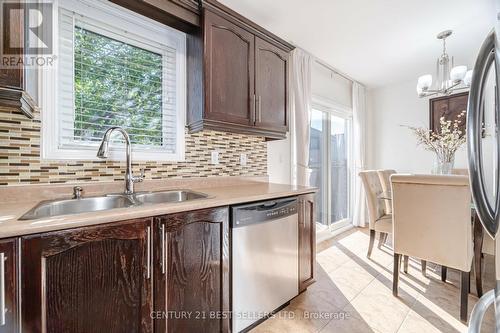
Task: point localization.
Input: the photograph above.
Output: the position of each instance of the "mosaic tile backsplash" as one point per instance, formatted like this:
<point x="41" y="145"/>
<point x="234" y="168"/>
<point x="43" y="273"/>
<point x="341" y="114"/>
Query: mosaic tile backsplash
<point x="20" y="161"/>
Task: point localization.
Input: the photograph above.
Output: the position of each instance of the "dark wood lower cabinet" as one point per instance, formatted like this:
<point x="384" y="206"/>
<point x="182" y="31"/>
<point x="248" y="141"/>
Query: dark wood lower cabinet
<point x="92" y="279"/>
<point x="9" y="274"/>
<point x="164" y="274"/>
<point x="192" y="272"/>
<point x="307" y="241"/>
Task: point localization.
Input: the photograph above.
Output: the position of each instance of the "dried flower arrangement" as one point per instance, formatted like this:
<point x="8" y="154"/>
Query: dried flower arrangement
<point x="445" y="143"/>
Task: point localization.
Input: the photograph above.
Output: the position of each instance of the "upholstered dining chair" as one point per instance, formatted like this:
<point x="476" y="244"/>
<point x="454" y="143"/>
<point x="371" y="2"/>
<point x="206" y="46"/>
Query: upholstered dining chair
<point x="432" y="221"/>
<point x="485" y="244"/>
<point x="379" y="220"/>
<point x="385" y="181"/>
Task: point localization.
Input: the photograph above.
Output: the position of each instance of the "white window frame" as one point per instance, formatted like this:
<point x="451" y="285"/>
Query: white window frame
<point x="111" y="19"/>
<point x="332" y="108"/>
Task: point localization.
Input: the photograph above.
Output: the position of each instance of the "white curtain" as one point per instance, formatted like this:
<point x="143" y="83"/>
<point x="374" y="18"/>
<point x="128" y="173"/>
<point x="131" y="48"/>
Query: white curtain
<point x="301" y="64"/>
<point x="359" y="129"/>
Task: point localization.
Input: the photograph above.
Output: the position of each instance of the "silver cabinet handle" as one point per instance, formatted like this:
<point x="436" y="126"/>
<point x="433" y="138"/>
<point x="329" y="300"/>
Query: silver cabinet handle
<point x="488" y="216"/>
<point x="259" y="108"/>
<point x="148" y="244"/>
<point x="163" y="249"/>
<point x="3" y="310"/>
<point x="254" y="109"/>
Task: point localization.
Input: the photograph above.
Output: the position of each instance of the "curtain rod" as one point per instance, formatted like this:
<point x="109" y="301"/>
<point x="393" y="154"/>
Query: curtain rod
<point x="320" y="62"/>
<point x="324" y="64"/>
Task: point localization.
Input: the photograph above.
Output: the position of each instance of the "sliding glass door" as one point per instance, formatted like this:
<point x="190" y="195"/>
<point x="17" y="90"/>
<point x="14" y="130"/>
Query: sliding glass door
<point x="330" y="164"/>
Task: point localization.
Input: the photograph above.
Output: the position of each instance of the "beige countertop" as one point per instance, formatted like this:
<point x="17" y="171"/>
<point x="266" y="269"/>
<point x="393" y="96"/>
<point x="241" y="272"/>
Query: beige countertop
<point x="221" y="194"/>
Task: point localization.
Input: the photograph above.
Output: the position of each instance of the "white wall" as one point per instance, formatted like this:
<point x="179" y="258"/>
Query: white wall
<point x="279" y="161"/>
<point x="330" y="86"/>
<point x="390" y="145"/>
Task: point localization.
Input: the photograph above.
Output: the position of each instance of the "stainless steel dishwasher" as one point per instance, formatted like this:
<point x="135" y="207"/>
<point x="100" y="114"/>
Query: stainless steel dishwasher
<point x="264" y="260"/>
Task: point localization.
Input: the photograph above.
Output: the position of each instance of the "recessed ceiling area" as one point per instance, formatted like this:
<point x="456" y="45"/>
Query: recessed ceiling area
<point x="376" y="42"/>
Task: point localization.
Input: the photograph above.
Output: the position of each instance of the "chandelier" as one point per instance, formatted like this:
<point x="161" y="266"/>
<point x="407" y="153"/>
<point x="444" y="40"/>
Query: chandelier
<point x="450" y="78"/>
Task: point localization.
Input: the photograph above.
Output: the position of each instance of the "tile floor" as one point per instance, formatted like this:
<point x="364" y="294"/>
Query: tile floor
<point x="354" y="294"/>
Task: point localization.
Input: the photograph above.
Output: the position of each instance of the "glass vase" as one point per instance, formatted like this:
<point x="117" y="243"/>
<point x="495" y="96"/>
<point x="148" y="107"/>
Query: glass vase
<point x="444" y="166"/>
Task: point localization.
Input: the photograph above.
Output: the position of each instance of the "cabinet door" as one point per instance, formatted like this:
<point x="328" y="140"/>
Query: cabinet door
<point x="93" y="279"/>
<point x="307" y="241"/>
<point x="229" y="72"/>
<point x="192" y="272"/>
<point x="13" y="34"/>
<point x="271" y="84"/>
<point x="9" y="285"/>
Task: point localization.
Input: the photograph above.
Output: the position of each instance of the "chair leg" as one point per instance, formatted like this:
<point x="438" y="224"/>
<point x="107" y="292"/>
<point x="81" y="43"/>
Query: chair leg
<point x="424" y="267"/>
<point x="478" y="273"/>
<point x="464" y="295"/>
<point x="405" y="268"/>
<point x="478" y="255"/>
<point x="395" y="276"/>
<point x="381" y="240"/>
<point x="443" y="273"/>
<point x="372" y="241"/>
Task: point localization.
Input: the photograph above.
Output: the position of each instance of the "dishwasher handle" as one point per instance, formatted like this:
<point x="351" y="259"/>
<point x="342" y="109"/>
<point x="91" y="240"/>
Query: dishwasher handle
<point x="261" y="212"/>
<point x="272" y="205"/>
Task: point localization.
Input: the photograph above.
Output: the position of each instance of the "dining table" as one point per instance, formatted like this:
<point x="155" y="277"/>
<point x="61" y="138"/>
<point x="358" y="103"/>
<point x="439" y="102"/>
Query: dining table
<point x="478" y="238"/>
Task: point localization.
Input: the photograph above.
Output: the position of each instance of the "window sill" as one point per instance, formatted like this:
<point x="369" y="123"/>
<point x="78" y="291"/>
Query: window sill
<point x="115" y="154"/>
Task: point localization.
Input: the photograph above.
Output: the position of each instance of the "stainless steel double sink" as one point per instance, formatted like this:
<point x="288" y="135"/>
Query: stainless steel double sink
<point x="93" y="204"/>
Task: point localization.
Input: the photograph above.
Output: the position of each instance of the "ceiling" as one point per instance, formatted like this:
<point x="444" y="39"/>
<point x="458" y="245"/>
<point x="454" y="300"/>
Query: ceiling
<point x="376" y="42"/>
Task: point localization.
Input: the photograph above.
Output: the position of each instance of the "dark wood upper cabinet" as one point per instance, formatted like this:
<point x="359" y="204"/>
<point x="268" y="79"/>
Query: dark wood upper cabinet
<point x="12" y="34"/>
<point x="92" y="279"/>
<point x="307" y="241"/>
<point x="16" y="82"/>
<point x="191" y="259"/>
<point x="271" y="86"/>
<point x="229" y="76"/>
<point x="8" y="270"/>
<point x="237" y="76"/>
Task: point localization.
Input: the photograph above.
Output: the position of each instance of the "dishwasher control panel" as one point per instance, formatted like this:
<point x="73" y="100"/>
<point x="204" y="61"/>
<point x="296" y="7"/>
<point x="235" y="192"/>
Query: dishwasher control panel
<point x="259" y="212"/>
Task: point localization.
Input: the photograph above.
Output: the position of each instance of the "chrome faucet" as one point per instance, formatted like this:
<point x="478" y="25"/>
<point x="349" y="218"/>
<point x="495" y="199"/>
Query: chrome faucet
<point x="77" y="192"/>
<point x="103" y="152"/>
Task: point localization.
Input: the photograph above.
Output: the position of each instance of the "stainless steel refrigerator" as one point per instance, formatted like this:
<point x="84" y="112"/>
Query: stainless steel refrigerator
<point x="485" y="187"/>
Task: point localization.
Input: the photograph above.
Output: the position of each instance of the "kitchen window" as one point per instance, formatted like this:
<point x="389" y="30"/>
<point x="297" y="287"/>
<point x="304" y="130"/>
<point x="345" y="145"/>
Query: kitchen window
<point x="114" y="68"/>
<point x="330" y="164"/>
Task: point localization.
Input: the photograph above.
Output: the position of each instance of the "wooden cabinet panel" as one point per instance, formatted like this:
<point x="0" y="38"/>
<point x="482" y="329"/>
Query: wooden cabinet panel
<point x="229" y="78"/>
<point x="12" y="77"/>
<point x="271" y="86"/>
<point x="92" y="279"/>
<point x="307" y="241"/>
<point x="9" y="251"/>
<point x="193" y="289"/>
<point x="17" y="84"/>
